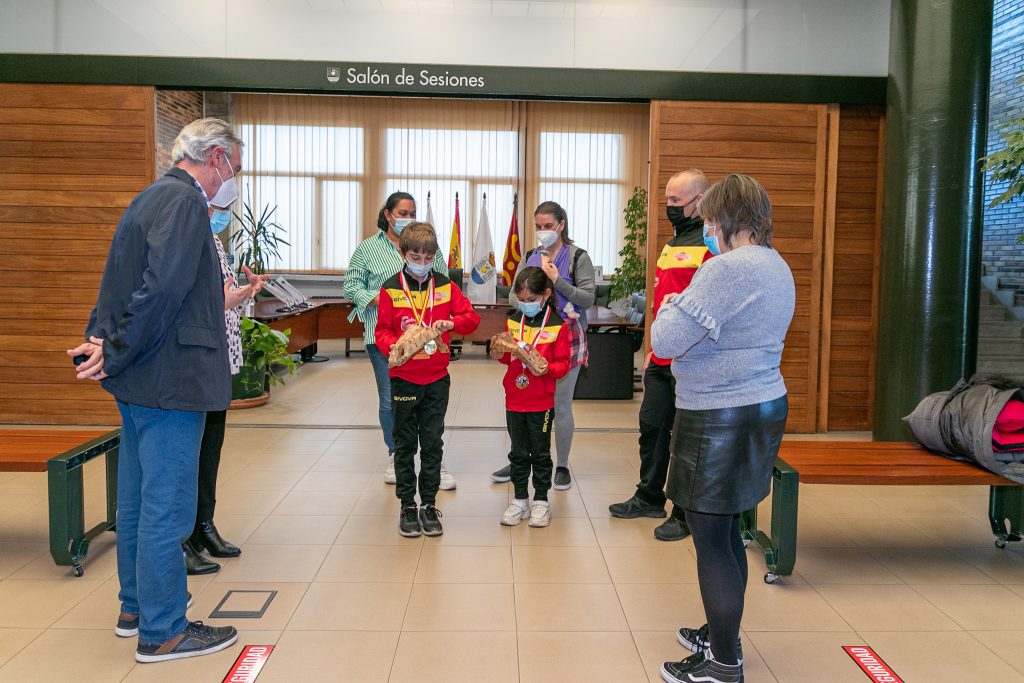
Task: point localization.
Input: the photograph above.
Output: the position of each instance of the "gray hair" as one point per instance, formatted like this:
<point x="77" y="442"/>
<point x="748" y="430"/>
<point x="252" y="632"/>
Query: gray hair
<point x="197" y="139"/>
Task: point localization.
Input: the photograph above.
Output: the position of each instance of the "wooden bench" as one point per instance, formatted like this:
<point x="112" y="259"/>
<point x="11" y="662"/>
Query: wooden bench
<point x="877" y="463"/>
<point x="62" y="455"/>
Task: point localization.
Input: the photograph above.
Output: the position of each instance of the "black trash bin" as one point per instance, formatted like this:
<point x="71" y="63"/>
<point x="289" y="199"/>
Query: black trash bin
<point x="609" y="374"/>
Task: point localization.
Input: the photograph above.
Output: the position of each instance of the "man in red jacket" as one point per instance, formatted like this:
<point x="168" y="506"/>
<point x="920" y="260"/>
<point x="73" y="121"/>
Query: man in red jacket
<point x="419" y="388"/>
<point x="679" y="260"/>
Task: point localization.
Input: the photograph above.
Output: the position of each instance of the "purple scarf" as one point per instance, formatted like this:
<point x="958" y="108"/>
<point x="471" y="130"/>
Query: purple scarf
<point x="564" y="266"/>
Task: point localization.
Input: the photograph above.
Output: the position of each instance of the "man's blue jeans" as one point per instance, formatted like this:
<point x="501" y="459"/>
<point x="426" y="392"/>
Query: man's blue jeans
<point x="157" y="475"/>
<point x="381" y="374"/>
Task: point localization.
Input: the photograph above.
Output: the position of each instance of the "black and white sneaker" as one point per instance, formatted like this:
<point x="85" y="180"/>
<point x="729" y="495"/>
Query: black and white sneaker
<point x="696" y="640"/>
<point x="563" y="480"/>
<point x="502" y="475"/>
<point x="197" y="639"/>
<point x="128" y="624"/>
<point x="409" y="521"/>
<point x="700" y="668"/>
<point x="430" y="520"/>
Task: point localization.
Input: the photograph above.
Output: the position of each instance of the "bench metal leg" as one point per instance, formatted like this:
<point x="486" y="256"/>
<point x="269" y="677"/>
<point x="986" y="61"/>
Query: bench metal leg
<point x="779" y="548"/>
<point x="1006" y="513"/>
<point x="69" y="541"/>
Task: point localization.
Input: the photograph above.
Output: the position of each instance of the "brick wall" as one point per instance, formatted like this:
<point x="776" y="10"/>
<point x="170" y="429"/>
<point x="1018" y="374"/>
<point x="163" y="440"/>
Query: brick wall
<point x="174" y="109"/>
<point x="1000" y="252"/>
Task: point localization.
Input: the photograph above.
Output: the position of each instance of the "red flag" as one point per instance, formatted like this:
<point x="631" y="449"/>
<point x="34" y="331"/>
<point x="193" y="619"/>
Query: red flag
<point x="513" y="252"/>
<point x="455" y="253"/>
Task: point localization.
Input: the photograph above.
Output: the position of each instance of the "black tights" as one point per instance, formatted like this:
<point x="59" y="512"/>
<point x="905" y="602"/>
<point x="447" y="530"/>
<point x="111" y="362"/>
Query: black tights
<point x="722" y="574"/>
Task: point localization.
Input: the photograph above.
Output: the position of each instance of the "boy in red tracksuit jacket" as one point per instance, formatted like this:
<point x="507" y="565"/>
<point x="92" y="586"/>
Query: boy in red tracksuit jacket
<point x="530" y="398"/>
<point x="419" y="388"/>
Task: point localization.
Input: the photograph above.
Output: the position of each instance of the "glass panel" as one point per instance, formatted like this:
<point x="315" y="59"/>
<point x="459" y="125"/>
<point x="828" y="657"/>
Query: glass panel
<point x="594" y="212"/>
<point x="597" y="156"/>
<point x="302" y="149"/>
<point x="341" y="219"/>
<point x="425" y="152"/>
<point x="293" y="198"/>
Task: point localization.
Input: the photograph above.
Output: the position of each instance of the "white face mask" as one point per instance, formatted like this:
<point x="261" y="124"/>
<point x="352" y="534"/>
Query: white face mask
<point x="547" y="238"/>
<point x="400" y="224"/>
<point x="228" y="193"/>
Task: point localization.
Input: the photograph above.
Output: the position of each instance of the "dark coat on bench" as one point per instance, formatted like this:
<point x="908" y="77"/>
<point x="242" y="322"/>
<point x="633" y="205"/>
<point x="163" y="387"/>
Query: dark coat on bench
<point x="958" y="423"/>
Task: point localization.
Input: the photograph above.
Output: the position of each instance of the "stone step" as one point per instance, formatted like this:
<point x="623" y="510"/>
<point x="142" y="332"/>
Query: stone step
<point x="1001" y="367"/>
<point x="1010" y="281"/>
<point x="1001" y="330"/>
<point x="1005" y="348"/>
<point x="993" y="313"/>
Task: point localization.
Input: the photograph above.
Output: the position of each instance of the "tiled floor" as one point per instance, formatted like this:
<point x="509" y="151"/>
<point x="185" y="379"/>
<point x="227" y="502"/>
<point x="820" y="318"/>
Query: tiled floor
<point x="910" y="572"/>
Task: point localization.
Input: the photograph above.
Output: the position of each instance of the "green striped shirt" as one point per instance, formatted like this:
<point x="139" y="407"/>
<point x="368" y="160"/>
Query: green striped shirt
<point x="374" y="261"/>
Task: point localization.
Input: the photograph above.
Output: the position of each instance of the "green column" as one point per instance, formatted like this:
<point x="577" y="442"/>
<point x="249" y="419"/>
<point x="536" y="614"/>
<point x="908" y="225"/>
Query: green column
<point x="936" y="112"/>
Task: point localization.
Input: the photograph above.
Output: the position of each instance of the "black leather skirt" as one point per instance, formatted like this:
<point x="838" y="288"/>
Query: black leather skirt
<point x="722" y="459"/>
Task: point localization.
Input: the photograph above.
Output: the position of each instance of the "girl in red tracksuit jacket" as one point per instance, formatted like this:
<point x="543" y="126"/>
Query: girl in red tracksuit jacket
<point x="530" y="398"/>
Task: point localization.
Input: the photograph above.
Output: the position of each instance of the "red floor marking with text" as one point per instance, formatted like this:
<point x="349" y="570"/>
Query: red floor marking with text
<point x="871" y="664"/>
<point x="249" y="664"/>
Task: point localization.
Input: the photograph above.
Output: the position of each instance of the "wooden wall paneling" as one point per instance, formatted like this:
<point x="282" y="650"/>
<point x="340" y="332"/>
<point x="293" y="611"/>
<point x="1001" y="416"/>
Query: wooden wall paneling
<point x="72" y="157"/>
<point x="854" y="294"/>
<point x="784" y="146"/>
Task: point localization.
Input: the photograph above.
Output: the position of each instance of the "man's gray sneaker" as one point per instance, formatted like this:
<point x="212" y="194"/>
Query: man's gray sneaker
<point x="701" y="669"/>
<point x="502" y="475"/>
<point x="197" y="639"/>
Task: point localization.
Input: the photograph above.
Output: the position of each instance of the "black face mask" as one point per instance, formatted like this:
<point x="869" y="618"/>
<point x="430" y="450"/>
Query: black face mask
<point x="681" y="222"/>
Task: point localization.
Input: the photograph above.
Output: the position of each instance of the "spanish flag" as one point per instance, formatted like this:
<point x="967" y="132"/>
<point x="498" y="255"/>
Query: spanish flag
<point x="513" y="251"/>
<point x="455" y="253"/>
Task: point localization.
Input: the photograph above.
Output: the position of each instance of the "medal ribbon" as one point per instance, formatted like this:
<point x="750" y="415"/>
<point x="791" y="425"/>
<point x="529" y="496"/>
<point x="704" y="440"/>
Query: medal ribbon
<point x="408" y="297"/>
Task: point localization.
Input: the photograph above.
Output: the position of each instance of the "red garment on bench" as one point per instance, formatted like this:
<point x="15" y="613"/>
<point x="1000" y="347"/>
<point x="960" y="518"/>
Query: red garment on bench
<point x="1008" y="432"/>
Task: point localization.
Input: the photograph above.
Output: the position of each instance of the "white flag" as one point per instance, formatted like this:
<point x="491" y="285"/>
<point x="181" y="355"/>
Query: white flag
<point x="430" y="214"/>
<point x="482" y="279"/>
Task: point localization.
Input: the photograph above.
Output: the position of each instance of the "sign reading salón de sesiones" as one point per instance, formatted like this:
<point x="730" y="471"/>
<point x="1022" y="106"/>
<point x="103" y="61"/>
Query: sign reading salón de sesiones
<point x="393" y="75"/>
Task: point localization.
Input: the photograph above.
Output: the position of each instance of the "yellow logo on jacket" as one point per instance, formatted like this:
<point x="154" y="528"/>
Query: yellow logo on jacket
<point x="548" y="335"/>
<point x="681" y="257"/>
<point x="442" y="295"/>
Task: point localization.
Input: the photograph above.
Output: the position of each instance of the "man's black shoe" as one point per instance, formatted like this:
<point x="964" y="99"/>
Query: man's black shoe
<point x="430" y="520"/>
<point x="195" y="563"/>
<point x="207" y="536"/>
<point x="409" y="521"/>
<point x="634" y="507"/>
<point x="197" y="639"/>
<point x="672" y="529"/>
<point x="696" y="640"/>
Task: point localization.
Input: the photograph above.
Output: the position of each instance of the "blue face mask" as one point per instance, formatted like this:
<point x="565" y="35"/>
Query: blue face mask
<point x="531" y="308"/>
<point x="419" y="271"/>
<point x="711" y="242"/>
<point x="400" y="224"/>
<point x="219" y="220"/>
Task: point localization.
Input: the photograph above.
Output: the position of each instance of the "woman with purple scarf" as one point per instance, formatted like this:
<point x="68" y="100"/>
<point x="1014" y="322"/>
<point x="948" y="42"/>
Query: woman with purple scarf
<point x="572" y="276"/>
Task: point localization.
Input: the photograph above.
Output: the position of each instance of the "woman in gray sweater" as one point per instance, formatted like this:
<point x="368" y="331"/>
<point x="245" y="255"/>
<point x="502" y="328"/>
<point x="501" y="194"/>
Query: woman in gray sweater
<point x="725" y="335"/>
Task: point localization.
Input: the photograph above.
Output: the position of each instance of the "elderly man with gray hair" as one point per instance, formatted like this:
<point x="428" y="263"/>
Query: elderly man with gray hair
<point x="156" y="340"/>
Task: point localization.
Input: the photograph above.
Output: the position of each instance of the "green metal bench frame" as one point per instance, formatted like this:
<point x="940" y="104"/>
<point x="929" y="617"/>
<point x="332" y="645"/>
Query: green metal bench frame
<point x="1006" y="515"/>
<point x="69" y="541"/>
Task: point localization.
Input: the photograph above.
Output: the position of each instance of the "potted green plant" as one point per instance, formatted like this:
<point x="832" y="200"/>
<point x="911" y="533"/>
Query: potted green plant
<point x="631" y="276"/>
<point x="263" y="348"/>
<point x="256" y="241"/>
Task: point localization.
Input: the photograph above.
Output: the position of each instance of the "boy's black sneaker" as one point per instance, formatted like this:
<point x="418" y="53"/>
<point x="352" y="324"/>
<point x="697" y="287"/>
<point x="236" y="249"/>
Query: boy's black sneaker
<point x="409" y="521"/>
<point x="197" y="639"/>
<point x="634" y="507"/>
<point x="128" y="624"/>
<point x="700" y="669"/>
<point x="430" y="520"/>
<point x="696" y="640"/>
<point x="563" y="480"/>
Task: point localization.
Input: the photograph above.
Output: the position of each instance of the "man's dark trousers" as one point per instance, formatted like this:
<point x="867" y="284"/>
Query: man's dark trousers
<point x="657" y="413"/>
<point x="418" y="411"/>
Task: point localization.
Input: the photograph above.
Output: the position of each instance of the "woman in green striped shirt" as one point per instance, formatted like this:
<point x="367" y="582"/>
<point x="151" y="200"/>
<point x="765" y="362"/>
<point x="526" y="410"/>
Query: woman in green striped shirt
<point x="375" y="260"/>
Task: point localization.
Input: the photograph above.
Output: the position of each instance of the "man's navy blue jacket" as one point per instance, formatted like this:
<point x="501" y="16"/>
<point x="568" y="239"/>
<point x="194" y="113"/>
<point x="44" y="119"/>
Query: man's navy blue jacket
<point x="160" y="308"/>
